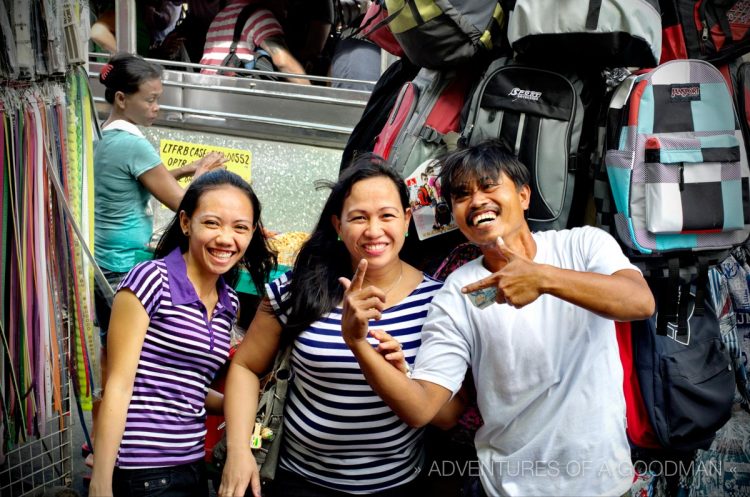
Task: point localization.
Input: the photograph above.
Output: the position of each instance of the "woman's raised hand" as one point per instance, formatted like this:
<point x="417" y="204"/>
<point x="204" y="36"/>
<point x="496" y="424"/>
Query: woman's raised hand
<point x="209" y="162"/>
<point x="360" y="305"/>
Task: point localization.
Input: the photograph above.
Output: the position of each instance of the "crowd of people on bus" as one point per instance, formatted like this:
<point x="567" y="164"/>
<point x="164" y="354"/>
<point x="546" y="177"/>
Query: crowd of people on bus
<point x="299" y="36"/>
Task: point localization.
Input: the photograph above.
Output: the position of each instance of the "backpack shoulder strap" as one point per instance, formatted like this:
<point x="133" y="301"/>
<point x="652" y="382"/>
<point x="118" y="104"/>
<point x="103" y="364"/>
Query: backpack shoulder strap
<point x="239" y="26"/>
<point x="231" y="59"/>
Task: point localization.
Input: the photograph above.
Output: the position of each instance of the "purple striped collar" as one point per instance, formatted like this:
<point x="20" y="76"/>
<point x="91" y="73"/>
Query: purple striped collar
<point x="182" y="289"/>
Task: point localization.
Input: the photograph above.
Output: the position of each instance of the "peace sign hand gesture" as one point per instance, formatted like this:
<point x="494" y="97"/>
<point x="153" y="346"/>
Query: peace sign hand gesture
<point x="360" y="305"/>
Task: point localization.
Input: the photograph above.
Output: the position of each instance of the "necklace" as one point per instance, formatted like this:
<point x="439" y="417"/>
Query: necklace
<point x="398" y="280"/>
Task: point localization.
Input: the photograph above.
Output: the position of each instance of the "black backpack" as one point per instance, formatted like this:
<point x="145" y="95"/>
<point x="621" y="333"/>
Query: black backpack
<point x="261" y="59"/>
<point x="684" y="368"/>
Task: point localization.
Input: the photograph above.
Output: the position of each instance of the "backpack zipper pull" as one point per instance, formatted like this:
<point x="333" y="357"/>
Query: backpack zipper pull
<point x="463" y="140"/>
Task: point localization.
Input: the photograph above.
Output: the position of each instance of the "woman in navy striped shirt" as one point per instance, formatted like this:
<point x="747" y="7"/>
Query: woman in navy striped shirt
<point x="339" y="437"/>
<point x="169" y="334"/>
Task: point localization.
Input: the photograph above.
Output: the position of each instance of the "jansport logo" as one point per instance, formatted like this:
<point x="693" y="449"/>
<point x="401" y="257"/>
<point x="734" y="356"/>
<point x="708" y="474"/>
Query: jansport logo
<point x="685" y="92"/>
<point x="517" y="93"/>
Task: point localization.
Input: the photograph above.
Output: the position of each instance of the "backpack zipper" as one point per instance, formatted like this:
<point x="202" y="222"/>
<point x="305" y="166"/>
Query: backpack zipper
<point x="704" y="26"/>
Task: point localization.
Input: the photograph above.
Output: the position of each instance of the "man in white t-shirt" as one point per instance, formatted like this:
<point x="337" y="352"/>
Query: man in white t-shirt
<point x="543" y="352"/>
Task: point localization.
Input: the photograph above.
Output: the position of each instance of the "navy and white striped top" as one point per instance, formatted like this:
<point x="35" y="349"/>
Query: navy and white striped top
<point x="181" y="354"/>
<point x="337" y="432"/>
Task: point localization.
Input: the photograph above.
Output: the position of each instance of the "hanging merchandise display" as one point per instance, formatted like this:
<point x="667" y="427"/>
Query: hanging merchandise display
<point x="47" y="129"/>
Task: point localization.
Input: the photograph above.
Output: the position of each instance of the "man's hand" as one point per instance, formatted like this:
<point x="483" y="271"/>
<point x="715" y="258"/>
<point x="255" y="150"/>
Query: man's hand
<point x="518" y="283"/>
<point x="360" y="305"/>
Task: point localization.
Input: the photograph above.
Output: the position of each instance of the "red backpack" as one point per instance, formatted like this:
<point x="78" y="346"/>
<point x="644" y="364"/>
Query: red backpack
<point x="639" y="429"/>
<point x="426" y="114"/>
<point x="709" y="30"/>
<point x="374" y="27"/>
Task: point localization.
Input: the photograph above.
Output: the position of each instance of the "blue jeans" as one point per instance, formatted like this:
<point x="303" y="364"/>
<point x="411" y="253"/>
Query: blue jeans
<point x="185" y="480"/>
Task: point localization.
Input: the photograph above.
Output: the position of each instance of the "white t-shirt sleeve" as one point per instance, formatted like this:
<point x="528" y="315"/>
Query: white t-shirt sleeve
<point x="601" y="252"/>
<point x="444" y="355"/>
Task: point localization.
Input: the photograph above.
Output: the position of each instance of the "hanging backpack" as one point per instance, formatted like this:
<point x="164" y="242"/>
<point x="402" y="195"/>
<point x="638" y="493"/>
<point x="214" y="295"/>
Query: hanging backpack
<point x="741" y="80"/>
<point x="676" y="161"/>
<point x="684" y="369"/>
<point x="733" y="280"/>
<point x="717" y="31"/>
<point x="638" y="426"/>
<point x="425" y="120"/>
<point x="374" y="27"/>
<point x="610" y="33"/>
<point x="382" y="99"/>
<point x="439" y="34"/>
<point x="543" y="117"/>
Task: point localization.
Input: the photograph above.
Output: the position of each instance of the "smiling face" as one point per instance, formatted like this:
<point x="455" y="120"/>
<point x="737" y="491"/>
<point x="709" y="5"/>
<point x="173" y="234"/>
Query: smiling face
<point x="487" y="208"/>
<point x="219" y="230"/>
<point x="373" y="222"/>
<point x="141" y="107"/>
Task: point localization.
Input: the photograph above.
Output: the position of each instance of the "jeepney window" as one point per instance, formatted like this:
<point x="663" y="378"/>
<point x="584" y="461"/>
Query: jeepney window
<point x="318" y="34"/>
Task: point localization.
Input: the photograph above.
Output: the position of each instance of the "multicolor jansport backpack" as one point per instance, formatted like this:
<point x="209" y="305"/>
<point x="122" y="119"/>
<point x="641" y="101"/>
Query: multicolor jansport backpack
<point x="676" y="161"/>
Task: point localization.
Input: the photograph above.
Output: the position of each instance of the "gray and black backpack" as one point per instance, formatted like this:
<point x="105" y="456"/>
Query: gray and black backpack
<point x="544" y="118"/>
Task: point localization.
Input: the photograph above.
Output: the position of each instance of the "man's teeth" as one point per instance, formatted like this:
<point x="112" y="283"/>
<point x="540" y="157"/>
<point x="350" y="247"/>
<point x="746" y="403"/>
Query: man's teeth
<point x="485" y="216"/>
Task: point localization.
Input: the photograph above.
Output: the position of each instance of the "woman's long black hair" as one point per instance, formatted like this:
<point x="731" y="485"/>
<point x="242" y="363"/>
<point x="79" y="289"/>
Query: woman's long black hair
<point x="259" y="260"/>
<point x="323" y="259"/>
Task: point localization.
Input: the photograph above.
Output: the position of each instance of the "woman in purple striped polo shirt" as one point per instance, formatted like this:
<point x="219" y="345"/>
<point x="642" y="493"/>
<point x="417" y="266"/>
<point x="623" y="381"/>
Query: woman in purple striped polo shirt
<point x="169" y="334"/>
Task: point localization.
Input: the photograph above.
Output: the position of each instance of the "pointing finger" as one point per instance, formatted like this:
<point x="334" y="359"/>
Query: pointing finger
<point x="478" y="285"/>
<point x="359" y="275"/>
